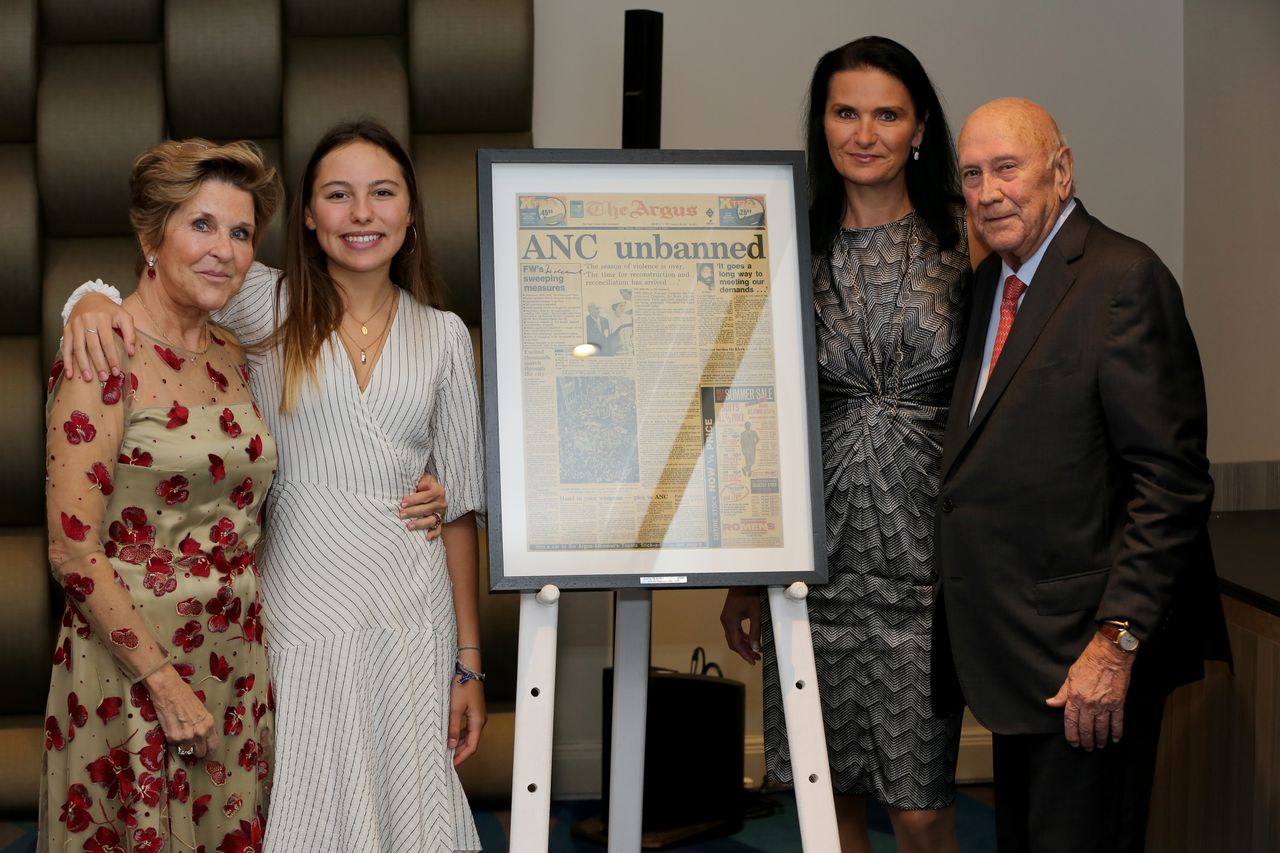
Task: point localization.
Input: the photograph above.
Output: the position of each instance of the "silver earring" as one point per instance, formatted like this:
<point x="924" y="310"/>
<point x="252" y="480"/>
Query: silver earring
<point x="151" y="266"/>
<point x="413" y="229"/>
<point x="915" y="152"/>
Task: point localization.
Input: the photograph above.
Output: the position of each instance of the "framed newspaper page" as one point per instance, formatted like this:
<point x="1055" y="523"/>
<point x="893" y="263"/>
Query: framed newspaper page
<point x="651" y="407"/>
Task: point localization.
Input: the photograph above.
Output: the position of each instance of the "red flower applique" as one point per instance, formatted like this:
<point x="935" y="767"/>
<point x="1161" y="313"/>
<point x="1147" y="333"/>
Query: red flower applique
<point x="217" y="773"/>
<point x="219" y="380"/>
<point x="152" y="755"/>
<point x="53" y="738"/>
<point x="113" y="390"/>
<point x="75" y="811"/>
<point x="233" y="805"/>
<point x="100" y="477"/>
<point x="179" y="788"/>
<point x="233" y="720"/>
<point x="217" y="340"/>
<point x="177" y="416"/>
<point x="199" y="806"/>
<point x="125" y="637"/>
<point x="78" y="428"/>
<point x="56" y="372"/>
<point x="170" y="357"/>
<point x="224" y="608"/>
<point x="244" y="684"/>
<point x="148" y="841"/>
<point x="255" y="448"/>
<point x="249" y="754"/>
<point x="62" y="654"/>
<point x="259" y="711"/>
<point x="74" y="528"/>
<point x="247" y="839"/>
<point x="189" y="637"/>
<point x="224" y="533"/>
<point x="227" y="420"/>
<point x="138" y="457"/>
<point x="189" y="607"/>
<point x="217" y="468"/>
<point x="159" y="576"/>
<point x="256" y="410"/>
<point x="140" y="698"/>
<point x="244" y="372"/>
<point x="185" y="671"/>
<point x="219" y="667"/>
<point x="173" y="490"/>
<point x="131" y="537"/>
<point x="109" y="708"/>
<point x="150" y="788"/>
<point x="252" y="627"/>
<point x="242" y="495"/>
<point x="105" y="840"/>
<point x="77" y="586"/>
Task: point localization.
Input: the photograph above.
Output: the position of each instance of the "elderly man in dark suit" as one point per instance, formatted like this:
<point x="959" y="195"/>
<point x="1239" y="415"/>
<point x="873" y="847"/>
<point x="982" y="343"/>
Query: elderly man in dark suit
<point x="1077" y="586"/>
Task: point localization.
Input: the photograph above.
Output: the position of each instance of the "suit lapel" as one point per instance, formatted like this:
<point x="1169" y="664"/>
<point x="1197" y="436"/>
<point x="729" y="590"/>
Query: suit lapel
<point x="984" y="287"/>
<point x="1052" y="280"/>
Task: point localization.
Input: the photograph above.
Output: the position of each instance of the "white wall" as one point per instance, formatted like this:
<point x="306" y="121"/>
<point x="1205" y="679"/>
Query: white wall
<point x="735" y="75"/>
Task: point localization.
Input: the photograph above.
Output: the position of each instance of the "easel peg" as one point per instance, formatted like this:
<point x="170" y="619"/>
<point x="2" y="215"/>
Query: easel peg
<point x="798" y="591"/>
<point x="549" y="594"/>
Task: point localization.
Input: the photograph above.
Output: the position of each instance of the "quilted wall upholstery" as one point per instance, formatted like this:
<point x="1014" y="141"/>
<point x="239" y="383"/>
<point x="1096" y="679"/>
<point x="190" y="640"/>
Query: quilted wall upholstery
<point x="85" y="85"/>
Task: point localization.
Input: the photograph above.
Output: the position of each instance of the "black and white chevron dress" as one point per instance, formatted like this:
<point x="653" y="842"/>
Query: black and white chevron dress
<point x="359" y="611"/>
<point x="890" y="321"/>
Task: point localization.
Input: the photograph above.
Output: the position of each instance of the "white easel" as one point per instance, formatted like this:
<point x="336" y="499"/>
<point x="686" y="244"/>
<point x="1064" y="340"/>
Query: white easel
<point x="535" y="701"/>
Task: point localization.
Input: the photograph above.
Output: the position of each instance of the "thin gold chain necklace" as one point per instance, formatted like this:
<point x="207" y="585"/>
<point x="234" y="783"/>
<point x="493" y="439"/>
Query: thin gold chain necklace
<point x="364" y="324"/>
<point x="364" y="358"/>
<point x="193" y="354"/>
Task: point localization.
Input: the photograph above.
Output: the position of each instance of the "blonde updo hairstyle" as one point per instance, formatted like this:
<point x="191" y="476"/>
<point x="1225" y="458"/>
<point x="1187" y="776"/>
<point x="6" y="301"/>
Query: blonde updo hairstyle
<point x="167" y="175"/>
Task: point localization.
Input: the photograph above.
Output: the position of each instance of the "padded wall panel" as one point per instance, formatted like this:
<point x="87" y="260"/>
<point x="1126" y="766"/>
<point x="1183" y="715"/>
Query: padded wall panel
<point x="223" y="68"/>
<point x="69" y="264"/>
<point x="22" y="745"/>
<point x="98" y="108"/>
<point x="457" y="50"/>
<point x="322" y="87"/>
<point x="271" y="249"/>
<point x="24" y="611"/>
<point x="344" y="18"/>
<point x="446" y="165"/>
<point x="20" y="248"/>
<point x="18" y="70"/>
<point x="98" y="21"/>
<point x="22" y="425"/>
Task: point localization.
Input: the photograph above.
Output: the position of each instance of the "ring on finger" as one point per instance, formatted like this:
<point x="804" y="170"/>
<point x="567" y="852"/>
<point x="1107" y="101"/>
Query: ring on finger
<point x="91" y="331"/>
<point x="439" y="520"/>
<point x="186" y="750"/>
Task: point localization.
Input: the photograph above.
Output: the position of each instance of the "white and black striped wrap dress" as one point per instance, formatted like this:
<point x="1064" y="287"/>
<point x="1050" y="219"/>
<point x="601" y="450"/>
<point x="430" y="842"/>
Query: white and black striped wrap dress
<point x="359" y="611"/>
<point x="890" y="307"/>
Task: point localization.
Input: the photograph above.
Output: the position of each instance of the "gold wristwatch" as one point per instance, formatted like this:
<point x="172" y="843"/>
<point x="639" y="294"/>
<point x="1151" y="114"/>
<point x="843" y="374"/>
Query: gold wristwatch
<point x="1117" y="631"/>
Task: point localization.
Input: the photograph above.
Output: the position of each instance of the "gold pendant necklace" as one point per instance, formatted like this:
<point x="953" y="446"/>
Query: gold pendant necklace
<point x="364" y="324"/>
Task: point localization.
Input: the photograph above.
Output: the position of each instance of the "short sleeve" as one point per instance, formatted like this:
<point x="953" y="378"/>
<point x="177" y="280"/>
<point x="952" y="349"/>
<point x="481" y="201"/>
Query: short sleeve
<point x="250" y="315"/>
<point x="457" y="442"/>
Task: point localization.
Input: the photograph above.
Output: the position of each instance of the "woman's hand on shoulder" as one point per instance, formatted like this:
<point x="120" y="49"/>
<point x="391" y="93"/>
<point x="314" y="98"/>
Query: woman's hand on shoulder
<point x="425" y="507"/>
<point x="93" y="321"/>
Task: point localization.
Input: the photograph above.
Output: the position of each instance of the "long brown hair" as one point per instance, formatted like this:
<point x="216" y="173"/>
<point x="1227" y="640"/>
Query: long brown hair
<point x="314" y="302"/>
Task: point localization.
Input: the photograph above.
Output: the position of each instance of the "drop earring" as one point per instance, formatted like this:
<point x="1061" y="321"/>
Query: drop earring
<point x="151" y="267"/>
<point x="915" y="152"/>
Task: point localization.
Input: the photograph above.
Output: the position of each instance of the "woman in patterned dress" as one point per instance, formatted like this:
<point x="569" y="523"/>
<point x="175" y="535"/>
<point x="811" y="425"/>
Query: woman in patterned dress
<point x="159" y="728"/>
<point x="890" y="271"/>
<point x="374" y="631"/>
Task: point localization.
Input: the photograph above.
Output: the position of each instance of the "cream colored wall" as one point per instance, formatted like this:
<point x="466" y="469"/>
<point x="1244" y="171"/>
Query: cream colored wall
<point x="1232" y="282"/>
<point x="735" y="75"/>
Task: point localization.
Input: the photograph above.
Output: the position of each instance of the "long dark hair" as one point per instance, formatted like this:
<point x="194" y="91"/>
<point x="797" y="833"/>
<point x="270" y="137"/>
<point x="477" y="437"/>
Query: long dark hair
<point x="933" y="183"/>
<point x="315" y="304"/>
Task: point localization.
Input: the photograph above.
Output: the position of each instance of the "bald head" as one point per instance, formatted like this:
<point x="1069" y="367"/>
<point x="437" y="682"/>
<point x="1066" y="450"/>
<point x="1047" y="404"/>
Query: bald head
<point x="1016" y="171"/>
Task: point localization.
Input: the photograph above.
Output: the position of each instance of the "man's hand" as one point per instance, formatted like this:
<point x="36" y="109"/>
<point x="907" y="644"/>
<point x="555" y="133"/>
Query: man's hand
<point x="1092" y="697"/>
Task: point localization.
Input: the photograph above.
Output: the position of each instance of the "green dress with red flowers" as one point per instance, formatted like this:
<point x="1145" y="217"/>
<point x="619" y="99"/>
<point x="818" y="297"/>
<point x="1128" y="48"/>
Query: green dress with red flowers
<point x="155" y="485"/>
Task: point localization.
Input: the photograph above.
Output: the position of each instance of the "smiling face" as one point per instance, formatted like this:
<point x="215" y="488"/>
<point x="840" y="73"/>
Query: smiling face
<point x="207" y="248"/>
<point x="359" y="208"/>
<point x="871" y="126"/>
<point x="1016" y="175"/>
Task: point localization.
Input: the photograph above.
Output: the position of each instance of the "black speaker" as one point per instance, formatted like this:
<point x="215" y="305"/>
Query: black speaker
<point x="692" y="755"/>
<point x="642" y="80"/>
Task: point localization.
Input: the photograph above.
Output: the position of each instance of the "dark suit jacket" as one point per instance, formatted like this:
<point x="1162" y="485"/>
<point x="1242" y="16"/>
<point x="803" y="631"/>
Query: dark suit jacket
<point x="1080" y="489"/>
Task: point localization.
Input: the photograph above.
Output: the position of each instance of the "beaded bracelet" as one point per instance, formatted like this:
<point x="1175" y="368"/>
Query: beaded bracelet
<point x="466" y="674"/>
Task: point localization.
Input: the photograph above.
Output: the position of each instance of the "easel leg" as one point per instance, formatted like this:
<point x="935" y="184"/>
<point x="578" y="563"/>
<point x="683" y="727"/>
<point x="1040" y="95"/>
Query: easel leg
<point x="535" y="715"/>
<point x="633" y="611"/>
<point x="805" y="734"/>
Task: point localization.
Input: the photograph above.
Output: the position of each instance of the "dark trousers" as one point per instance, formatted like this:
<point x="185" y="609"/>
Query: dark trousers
<point x="1055" y="798"/>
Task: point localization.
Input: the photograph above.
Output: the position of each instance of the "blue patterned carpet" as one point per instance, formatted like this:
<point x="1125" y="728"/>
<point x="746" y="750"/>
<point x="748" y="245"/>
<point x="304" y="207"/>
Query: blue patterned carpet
<point x="774" y="830"/>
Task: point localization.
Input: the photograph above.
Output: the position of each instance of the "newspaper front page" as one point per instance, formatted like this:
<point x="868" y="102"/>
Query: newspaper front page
<point x="647" y="369"/>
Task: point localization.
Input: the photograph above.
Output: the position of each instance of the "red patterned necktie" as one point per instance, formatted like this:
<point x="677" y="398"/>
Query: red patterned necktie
<point x="1013" y="288"/>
